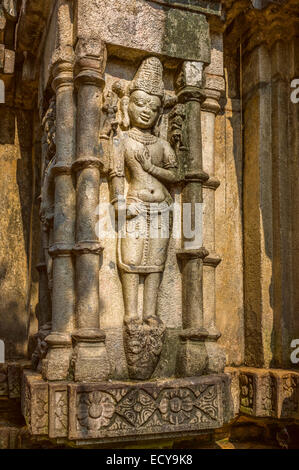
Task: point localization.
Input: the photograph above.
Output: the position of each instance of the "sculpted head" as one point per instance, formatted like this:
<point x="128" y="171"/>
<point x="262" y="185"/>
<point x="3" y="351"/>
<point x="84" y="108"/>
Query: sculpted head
<point x="142" y="100"/>
<point x="144" y="109"/>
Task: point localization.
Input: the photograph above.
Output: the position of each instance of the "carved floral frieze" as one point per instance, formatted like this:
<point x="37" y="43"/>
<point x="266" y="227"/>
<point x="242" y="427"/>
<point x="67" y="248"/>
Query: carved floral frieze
<point x="108" y="410"/>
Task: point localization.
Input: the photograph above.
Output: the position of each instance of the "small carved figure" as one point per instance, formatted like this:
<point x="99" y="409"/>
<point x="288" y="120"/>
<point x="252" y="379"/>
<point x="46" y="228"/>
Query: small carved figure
<point x="46" y="216"/>
<point x="150" y="165"/>
<point x="47" y="192"/>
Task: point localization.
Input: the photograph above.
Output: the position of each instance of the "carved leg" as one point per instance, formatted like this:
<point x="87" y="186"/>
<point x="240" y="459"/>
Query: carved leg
<point x="130" y="292"/>
<point x="142" y="341"/>
<point x="151" y="288"/>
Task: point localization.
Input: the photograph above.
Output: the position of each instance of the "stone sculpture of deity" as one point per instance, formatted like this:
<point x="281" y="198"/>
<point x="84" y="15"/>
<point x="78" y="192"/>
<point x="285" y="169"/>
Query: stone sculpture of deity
<point x="149" y="165"/>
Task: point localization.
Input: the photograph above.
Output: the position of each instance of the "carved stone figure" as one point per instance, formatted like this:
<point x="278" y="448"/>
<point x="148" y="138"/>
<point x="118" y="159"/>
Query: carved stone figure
<point x="47" y="193"/>
<point x="149" y="164"/>
<point x="46" y="216"/>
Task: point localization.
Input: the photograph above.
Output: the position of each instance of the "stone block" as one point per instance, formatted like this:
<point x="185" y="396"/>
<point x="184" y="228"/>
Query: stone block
<point x="272" y="393"/>
<point x="142" y="26"/>
<point x="111" y="410"/>
<point x="287" y="394"/>
<point x="126" y="411"/>
<point x="3" y="380"/>
<point x="2" y="50"/>
<point x="9" y="61"/>
<point x="35" y="403"/>
<point x="233" y="373"/>
<point x="14" y="380"/>
<point x="58" y="410"/>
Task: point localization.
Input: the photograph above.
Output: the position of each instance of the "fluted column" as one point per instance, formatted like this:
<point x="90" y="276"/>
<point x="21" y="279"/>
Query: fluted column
<point x="57" y="363"/>
<point x="192" y="358"/>
<point x="91" y="361"/>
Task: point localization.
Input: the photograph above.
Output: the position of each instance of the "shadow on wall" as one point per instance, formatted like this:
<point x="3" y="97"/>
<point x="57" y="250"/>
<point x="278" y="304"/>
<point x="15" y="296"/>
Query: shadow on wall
<point x="19" y="236"/>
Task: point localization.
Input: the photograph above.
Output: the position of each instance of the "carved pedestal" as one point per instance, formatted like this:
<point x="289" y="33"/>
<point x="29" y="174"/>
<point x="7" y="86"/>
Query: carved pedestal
<point x="125" y="410"/>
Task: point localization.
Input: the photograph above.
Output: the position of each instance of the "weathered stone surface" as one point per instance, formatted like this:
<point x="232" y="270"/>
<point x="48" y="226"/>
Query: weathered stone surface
<point x="35" y="405"/>
<point x="9" y="61"/>
<point x="58" y="410"/>
<point x="127" y="410"/>
<point x="3" y="380"/>
<point x="143" y="409"/>
<point x="143" y="26"/>
<point x="265" y="393"/>
<point x="213" y="8"/>
<point x="18" y="205"/>
<point x="217" y="97"/>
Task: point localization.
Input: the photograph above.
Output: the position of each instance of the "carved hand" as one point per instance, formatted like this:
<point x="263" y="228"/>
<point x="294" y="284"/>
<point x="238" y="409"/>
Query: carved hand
<point x="144" y="159"/>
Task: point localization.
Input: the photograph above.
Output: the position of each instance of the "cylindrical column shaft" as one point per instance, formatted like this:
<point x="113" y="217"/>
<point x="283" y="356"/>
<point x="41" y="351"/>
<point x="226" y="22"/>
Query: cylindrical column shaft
<point x="192" y="357"/>
<point x="209" y="110"/>
<point x="63" y="293"/>
<point x="91" y="358"/>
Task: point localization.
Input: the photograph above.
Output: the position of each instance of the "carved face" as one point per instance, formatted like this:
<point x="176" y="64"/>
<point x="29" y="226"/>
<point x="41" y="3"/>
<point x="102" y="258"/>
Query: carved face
<point x="144" y="109"/>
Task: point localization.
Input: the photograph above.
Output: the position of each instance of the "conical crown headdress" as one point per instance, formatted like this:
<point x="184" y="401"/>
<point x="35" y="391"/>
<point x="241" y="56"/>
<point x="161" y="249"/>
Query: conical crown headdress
<point x="149" y="77"/>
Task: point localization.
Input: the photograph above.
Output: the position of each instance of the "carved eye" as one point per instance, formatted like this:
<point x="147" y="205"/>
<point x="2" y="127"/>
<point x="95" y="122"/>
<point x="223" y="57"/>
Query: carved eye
<point x="140" y="103"/>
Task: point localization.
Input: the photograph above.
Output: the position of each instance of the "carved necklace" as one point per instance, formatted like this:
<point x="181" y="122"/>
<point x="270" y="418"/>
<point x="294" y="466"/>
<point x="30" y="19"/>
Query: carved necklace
<point x="145" y="139"/>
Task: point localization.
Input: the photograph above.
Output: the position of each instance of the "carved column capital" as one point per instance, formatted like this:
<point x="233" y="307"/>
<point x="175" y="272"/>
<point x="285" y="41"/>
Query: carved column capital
<point x="89" y="71"/>
<point x="211" y="103"/>
<point x="190" y="93"/>
<point x="214" y="87"/>
<point x="189" y="82"/>
<point x="62" y="75"/>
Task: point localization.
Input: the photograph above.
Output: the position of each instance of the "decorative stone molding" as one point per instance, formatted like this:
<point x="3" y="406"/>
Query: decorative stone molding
<point x="10" y="378"/>
<point x="265" y="393"/>
<point x="107" y="411"/>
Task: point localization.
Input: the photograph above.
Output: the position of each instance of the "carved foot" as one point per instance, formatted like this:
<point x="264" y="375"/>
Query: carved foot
<point x="153" y="321"/>
<point x="143" y="345"/>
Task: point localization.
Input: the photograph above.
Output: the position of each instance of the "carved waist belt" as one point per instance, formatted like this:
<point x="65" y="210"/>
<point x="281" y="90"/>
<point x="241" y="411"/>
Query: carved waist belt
<point x="141" y="249"/>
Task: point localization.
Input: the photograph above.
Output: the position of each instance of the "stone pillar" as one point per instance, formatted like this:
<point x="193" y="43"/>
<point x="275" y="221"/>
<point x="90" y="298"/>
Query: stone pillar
<point x="57" y="363"/>
<point x="91" y="361"/>
<point x="294" y="172"/>
<point x="210" y="108"/>
<point x="284" y="320"/>
<point x="257" y="207"/>
<point x="192" y="359"/>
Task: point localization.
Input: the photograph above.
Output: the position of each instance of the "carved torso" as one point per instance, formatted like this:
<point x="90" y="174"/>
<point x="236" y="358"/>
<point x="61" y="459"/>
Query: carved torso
<point x="143" y="185"/>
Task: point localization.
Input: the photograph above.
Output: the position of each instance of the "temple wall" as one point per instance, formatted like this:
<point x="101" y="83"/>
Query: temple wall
<point x="19" y="232"/>
<point x="227" y="310"/>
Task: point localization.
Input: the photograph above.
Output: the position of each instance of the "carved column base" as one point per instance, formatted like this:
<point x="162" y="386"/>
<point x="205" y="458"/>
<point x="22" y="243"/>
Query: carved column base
<point x="199" y="354"/>
<point x="91" y="363"/>
<point x="216" y="356"/>
<point x="143" y="345"/>
<point x="192" y="356"/>
<point x="56" y="366"/>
